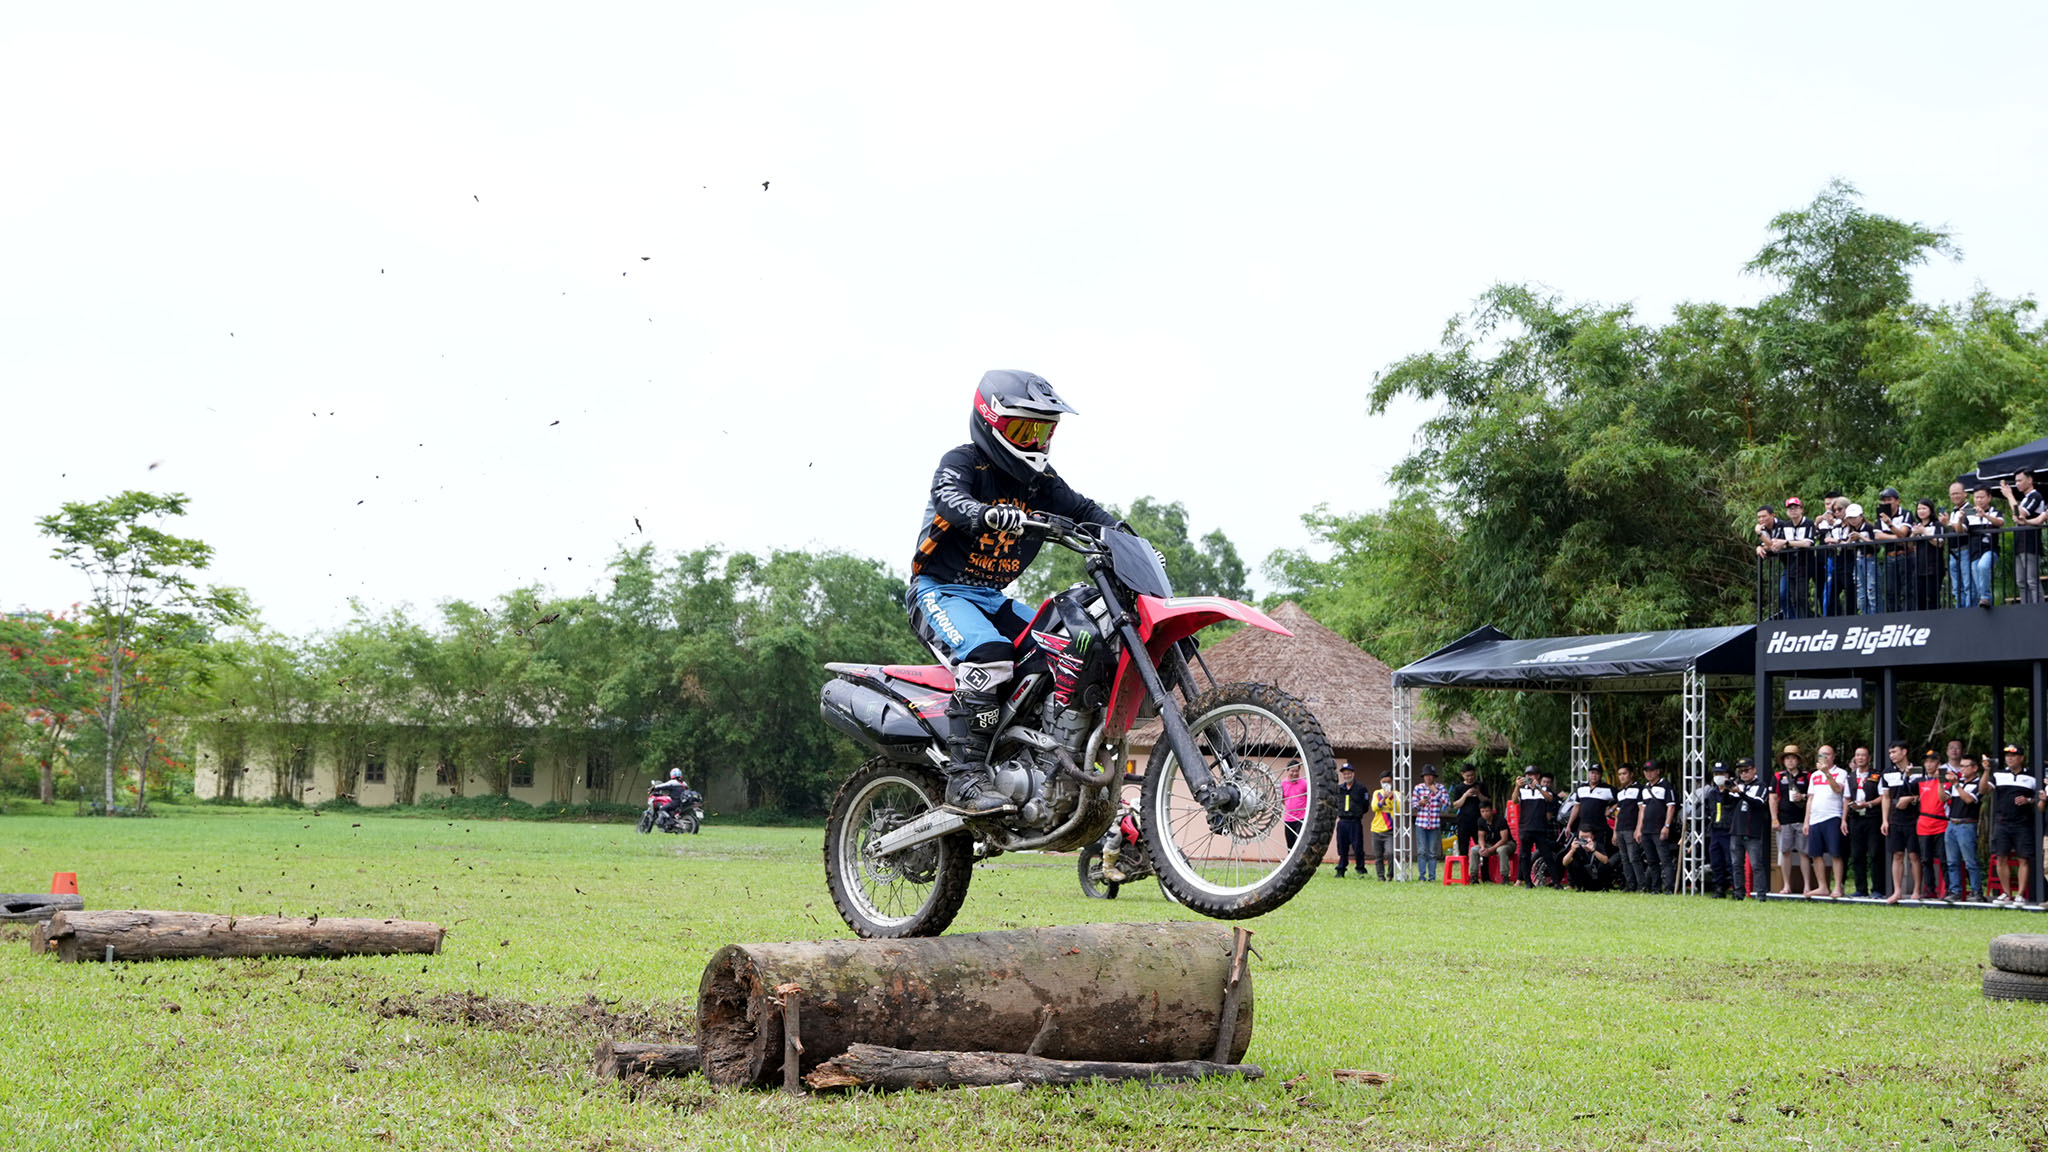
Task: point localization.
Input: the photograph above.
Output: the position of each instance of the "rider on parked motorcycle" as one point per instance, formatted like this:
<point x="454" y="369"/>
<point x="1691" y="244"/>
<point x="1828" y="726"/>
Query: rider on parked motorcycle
<point x="972" y="547"/>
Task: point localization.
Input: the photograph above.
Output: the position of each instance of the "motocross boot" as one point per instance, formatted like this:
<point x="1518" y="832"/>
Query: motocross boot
<point x="971" y="720"/>
<point x="1110" y="856"/>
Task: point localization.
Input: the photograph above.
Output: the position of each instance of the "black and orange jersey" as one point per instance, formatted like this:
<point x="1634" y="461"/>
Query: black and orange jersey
<point x="955" y="548"/>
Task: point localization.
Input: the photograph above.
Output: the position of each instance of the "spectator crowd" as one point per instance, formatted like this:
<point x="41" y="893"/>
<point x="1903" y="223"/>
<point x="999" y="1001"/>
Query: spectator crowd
<point x="1903" y="557"/>
<point x="1952" y="826"/>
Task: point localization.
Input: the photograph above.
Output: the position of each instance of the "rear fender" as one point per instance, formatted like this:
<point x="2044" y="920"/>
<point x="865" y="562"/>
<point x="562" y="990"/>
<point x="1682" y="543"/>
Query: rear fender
<point x="1164" y="622"/>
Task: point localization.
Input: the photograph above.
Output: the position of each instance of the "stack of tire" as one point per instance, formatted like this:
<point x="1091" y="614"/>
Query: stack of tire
<point x="2019" y="967"/>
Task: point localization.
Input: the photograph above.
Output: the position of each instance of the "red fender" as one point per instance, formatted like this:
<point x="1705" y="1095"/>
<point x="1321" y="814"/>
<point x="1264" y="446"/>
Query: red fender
<point x="1163" y="622"/>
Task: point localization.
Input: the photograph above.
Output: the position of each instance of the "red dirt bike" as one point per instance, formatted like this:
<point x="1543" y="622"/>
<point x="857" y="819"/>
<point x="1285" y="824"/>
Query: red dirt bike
<point x="1097" y="658"/>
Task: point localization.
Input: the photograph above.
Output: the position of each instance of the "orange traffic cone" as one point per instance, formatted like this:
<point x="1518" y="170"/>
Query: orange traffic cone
<point x="64" y="883"/>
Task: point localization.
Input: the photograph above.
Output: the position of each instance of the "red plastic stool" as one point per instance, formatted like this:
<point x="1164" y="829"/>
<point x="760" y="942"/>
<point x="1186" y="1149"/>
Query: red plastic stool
<point x="1456" y="864"/>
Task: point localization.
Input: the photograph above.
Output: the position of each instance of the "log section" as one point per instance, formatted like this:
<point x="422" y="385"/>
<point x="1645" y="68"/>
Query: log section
<point x="77" y="936"/>
<point x="1118" y="992"/>
<point x="617" y="1060"/>
<point x="37" y="905"/>
<point x="893" y="1069"/>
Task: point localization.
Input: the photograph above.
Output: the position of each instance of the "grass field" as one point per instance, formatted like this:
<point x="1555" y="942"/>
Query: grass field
<point x="1510" y="1019"/>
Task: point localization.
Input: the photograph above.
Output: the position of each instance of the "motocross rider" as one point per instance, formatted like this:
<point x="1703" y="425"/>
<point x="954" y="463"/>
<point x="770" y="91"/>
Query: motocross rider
<point x="972" y="547"/>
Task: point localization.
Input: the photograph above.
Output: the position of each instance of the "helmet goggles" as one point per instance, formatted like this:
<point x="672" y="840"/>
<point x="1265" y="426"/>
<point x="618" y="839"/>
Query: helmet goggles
<point x="1031" y="433"/>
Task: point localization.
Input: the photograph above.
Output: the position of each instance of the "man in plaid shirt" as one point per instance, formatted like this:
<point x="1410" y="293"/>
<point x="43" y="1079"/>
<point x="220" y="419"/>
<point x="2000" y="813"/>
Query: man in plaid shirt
<point x="1430" y="800"/>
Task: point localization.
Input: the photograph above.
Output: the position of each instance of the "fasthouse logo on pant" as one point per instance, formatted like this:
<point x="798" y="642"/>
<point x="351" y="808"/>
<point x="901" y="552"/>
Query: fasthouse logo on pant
<point x="976" y="678"/>
<point x="937" y="615"/>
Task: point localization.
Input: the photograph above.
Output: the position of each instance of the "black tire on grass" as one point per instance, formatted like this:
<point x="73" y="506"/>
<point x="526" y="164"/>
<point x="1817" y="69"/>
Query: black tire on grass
<point x="2002" y="985"/>
<point x="2023" y="952"/>
<point x="1093" y="886"/>
<point x="646" y="822"/>
<point x="918" y="891"/>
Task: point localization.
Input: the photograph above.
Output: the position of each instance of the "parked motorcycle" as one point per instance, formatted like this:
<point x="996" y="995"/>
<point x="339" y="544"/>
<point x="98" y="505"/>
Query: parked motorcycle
<point x="1120" y="851"/>
<point x="671" y="812"/>
<point x="1096" y="658"/>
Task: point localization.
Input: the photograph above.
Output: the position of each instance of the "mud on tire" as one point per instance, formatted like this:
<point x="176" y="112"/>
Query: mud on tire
<point x="2022" y="952"/>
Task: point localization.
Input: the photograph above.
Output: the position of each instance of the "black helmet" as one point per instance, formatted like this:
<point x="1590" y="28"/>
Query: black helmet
<point x="1015" y="414"/>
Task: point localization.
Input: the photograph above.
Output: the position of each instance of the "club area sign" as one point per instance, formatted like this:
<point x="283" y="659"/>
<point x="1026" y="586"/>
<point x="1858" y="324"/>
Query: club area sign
<point x="1823" y="695"/>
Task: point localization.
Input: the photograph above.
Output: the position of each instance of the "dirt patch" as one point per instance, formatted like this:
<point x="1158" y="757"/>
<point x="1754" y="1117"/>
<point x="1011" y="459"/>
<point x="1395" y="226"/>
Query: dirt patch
<point x="593" y="1019"/>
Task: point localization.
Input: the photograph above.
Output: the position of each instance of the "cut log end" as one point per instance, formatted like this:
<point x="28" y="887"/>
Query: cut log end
<point x="32" y="906"/>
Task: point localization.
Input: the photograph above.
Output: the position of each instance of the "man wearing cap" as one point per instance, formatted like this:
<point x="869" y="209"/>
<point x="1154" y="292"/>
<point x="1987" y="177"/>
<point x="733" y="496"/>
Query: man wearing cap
<point x="1628" y="802"/>
<point x="1353" y="801"/>
<point x="1430" y="800"/>
<point x="1931" y="827"/>
<point x="1788" y="812"/>
<point x="1386" y="808"/>
<point x="1657" y="828"/>
<point x="1826" y="790"/>
<point x="1752" y="831"/>
<point x="1535" y="805"/>
<point x="1965" y="796"/>
<point x="2014" y="794"/>
<point x="1894" y="527"/>
<point x="1797" y="534"/>
<point x="2029" y="509"/>
<point x="1901" y="795"/>
<point x="1865" y="830"/>
<point x="1855" y="534"/>
<point x="1717" y="805"/>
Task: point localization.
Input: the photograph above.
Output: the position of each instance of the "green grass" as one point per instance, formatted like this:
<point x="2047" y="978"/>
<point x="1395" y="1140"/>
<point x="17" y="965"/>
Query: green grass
<point x="1509" y="1019"/>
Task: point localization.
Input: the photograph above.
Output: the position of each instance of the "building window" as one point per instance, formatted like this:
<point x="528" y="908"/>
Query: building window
<point x="373" y="769"/>
<point x="597" y="770"/>
<point x="521" y="771"/>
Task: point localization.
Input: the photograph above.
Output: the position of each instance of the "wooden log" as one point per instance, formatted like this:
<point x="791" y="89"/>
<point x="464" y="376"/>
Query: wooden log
<point x="616" y="1060"/>
<point x="1119" y="992"/>
<point x="37" y="905"/>
<point x="136" y="935"/>
<point x="895" y="1070"/>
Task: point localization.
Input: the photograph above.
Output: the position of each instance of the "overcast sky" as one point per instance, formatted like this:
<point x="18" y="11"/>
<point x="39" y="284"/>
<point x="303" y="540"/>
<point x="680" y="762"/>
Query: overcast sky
<point x="430" y="301"/>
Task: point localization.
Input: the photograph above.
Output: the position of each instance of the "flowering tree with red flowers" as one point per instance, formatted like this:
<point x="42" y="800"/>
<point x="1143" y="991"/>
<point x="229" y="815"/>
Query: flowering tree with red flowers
<point x="143" y="600"/>
<point x="46" y="687"/>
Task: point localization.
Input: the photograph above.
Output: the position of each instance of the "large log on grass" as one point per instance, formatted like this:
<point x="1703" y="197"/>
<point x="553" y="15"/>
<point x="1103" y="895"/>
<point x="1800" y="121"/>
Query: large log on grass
<point x="76" y="936"/>
<point x="1130" y="992"/>
<point x="37" y="905"/>
<point x="893" y="1069"/>
<point x="617" y="1059"/>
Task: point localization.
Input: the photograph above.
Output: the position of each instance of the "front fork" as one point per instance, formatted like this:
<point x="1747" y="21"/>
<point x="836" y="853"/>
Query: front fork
<point x="1211" y="795"/>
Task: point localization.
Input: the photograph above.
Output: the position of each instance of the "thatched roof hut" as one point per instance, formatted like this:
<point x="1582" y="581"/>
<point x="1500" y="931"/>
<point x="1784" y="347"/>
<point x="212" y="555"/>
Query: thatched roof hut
<point x="1350" y="691"/>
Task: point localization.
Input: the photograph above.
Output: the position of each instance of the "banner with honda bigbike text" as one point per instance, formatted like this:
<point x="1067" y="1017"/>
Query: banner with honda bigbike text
<point x="2013" y="633"/>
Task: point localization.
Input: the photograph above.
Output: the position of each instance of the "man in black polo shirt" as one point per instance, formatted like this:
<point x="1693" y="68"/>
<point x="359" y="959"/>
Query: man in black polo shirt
<point x="1751" y="834"/>
<point x="1587" y="867"/>
<point x="1589" y="810"/>
<point x="1354" y="800"/>
<point x="1899" y="811"/>
<point x="1467" y="799"/>
<point x="1657" y="828"/>
<point x="1628" y="800"/>
<point x="2014" y="794"/>
<point x="1896" y="574"/>
<point x="1718" y="810"/>
<point x="1867" y="864"/>
<point x="1798" y="534"/>
<point x="1965" y="798"/>
<point x="1788" y="813"/>
<point x="1490" y="841"/>
<point x="2029" y="509"/>
<point x="1535" y="807"/>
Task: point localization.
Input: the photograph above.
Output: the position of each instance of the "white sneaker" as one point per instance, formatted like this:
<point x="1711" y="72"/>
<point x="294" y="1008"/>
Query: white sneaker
<point x="2001" y="898"/>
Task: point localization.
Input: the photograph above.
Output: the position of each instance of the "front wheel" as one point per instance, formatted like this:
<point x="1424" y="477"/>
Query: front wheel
<point x="1235" y="863"/>
<point x="647" y="822"/>
<point x="915" y="892"/>
<point x="1093" y="886"/>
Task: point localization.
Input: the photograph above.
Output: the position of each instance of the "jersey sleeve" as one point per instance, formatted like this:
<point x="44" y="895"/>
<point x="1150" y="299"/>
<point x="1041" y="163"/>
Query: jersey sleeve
<point x="952" y="491"/>
<point x="1060" y="499"/>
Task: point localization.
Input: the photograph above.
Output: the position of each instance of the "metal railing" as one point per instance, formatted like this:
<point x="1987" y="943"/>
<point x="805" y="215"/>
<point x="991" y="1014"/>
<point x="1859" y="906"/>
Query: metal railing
<point x="1924" y="573"/>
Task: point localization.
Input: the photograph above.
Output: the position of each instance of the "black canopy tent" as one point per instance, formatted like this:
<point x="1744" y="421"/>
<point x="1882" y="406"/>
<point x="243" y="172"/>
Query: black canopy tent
<point x="2032" y="456"/>
<point x="1688" y="661"/>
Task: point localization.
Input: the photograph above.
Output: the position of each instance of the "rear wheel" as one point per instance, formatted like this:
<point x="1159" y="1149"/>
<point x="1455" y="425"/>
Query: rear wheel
<point x="647" y="822"/>
<point x="1236" y="863"/>
<point x="915" y="892"/>
<point x="689" y="823"/>
<point x="1093" y="885"/>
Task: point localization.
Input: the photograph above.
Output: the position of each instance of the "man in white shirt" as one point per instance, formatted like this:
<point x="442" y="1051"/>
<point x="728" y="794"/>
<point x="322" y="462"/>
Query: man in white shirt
<point x="1826" y="790"/>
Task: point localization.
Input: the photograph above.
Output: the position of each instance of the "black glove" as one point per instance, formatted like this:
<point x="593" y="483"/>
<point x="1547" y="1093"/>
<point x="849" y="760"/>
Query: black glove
<point x="1002" y="518"/>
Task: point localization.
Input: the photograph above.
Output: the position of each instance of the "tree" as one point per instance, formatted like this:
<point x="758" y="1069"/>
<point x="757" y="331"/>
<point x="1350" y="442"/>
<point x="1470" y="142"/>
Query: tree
<point x="46" y="685"/>
<point x="141" y="594"/>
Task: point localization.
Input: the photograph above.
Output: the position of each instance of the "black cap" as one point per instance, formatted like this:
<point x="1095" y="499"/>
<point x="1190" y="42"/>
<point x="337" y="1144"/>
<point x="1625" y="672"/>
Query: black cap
<point x="1892" y="493"/>
<point x="1720" y="766"/>
<point x="2012" y="750"/>
<point x="1745" y="762"/>
<point x="1429" y="769"/>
